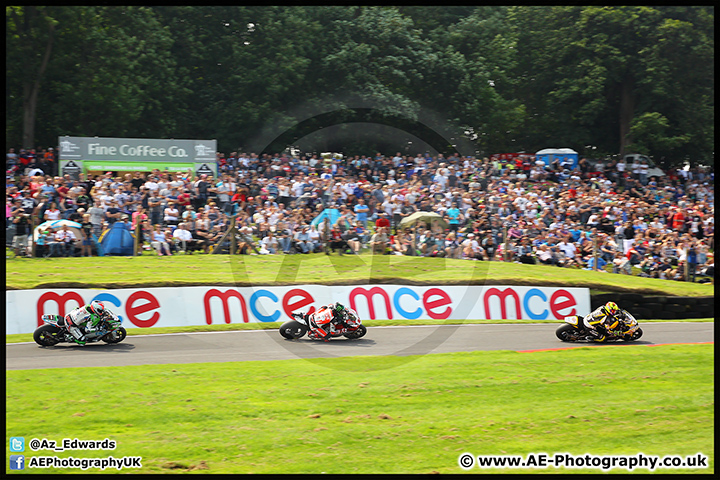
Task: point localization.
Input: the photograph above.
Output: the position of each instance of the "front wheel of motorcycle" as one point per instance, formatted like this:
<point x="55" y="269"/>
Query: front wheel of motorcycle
<point x="360" y="332"/>
<point x="635" y="335"/>
<point x="47" y="335"/>
<point x="292" y="329"/>
<point x="116" y="336"/>
<point x="567" y="333"/>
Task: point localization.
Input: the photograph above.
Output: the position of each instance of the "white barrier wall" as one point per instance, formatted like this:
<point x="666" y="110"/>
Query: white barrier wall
<point x="166" y="307"/>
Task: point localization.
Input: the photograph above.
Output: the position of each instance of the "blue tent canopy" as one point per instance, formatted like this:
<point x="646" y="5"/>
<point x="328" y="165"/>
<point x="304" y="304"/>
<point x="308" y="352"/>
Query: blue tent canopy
<point x="549" y="155"/>
<point x="332" y="213"/>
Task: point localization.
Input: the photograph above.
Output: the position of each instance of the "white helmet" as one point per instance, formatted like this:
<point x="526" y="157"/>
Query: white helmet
<point x="96" y="308"/>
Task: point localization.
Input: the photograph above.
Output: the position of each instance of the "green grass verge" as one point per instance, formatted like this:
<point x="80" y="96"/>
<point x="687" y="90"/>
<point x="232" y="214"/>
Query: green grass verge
<point x="226" y="327"/>
<point x="181" y="270"/>
<point x="346" y="415"/>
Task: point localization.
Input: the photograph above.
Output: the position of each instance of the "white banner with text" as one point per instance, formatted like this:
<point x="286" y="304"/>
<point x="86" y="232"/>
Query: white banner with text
<point x="192" y="306"/>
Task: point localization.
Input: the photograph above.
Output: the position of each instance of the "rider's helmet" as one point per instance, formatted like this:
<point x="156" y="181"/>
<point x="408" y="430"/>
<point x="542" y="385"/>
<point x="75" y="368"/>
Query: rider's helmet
<point x="612" y="313"/>
<point x="96" y="308"/>
<point x="340" y="312"/>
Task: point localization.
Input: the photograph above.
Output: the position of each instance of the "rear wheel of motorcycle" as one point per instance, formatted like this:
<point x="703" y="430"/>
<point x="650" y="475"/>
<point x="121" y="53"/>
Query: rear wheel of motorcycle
<point x="293" y="329"/>
<point x="360" y="332"/>
<point x="115" y="336"/>
<point x="567" y="333"/>
<point x="46" y="335"/>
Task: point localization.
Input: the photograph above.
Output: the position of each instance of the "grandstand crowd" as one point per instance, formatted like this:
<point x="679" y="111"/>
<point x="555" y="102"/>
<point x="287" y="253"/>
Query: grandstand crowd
<point x="599" y="215"/>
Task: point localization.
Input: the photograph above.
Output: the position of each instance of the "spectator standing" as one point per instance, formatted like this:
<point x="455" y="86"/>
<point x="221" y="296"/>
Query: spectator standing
<point x="76" y="215"/>
<point x="692" y="261"/>
<point x="52" y="213"/>
<point x="86" y="227"/>
<point x="113" y="213"/>
<point x="97" y="215"/>
<point x="184" y="199"/>
<point x="454" y="217"/>
<point x="42" y="244"/>
<point x="82" y="200"/>
<point x="361" y="212"/>
<point x="382" y="221"/>
<point x="156" y="207"/>
<point x="225" y="190"/>
<point x="54" y="246"/>
<point x="620" y="166"/>
<point x="137" y="216"/>
<point x="171" y="214"/>
<point x="643" y="172"/>
<point x="678" y="220"/>
<point x="50" y="161"/>
<point x="11" y="158"/>
<point x="21" y="221"/>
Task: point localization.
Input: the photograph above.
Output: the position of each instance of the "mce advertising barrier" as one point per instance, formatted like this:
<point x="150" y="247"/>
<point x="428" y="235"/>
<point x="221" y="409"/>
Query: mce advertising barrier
<point x="194" y="306"/>
<point x="103" y="154"/>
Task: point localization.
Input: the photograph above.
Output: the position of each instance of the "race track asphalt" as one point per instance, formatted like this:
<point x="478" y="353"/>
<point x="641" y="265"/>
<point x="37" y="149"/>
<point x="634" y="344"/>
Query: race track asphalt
<point x="237" y="346"/>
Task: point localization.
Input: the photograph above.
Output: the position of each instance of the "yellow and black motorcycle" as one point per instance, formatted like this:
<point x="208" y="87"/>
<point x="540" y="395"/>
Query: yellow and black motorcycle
<point x="574" y="330"/>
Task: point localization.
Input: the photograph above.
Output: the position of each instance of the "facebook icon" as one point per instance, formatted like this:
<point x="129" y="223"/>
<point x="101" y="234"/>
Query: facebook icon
<point x="17" y="462"/>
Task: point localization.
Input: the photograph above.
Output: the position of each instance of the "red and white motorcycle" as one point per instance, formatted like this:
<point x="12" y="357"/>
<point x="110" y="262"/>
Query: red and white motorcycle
<point x="303" y="323"/>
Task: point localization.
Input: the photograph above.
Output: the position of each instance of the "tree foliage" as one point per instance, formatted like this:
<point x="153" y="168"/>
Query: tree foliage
<point x="593" y="78"/>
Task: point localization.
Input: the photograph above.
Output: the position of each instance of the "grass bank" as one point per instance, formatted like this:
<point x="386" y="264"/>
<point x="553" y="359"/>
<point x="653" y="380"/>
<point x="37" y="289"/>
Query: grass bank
<point x="243" y="270"/>
<point x="344" y="415"/>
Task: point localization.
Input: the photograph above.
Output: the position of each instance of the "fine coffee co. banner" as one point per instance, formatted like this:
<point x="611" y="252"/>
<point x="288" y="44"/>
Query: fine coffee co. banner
<point x="83" y="154"/>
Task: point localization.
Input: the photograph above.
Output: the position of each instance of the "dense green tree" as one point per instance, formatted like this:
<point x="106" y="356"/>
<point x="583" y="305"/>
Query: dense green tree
<point x="108" y="73"/>
<point x="485" y="98"/>
<point x="597" y="79"/>
<point x="29" y="37"/>
<point x="601" y="75"/>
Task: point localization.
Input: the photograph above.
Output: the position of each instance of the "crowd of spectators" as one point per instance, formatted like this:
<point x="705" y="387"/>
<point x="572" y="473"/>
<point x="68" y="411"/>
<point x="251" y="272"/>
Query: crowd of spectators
<point x="503" y="208"/>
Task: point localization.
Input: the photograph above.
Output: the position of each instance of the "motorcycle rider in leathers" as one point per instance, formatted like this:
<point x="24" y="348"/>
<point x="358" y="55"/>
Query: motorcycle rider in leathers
<point x="85" y="319"/>
<point x="335" y="313"/>
<point x="602" y="321"/>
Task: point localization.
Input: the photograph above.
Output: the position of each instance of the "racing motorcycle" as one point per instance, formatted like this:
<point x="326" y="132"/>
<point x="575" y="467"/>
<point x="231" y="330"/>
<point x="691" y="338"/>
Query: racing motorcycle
<point x="573" y="330"/>
<point x="299" y="326"/>
<point x="54" y="331"/>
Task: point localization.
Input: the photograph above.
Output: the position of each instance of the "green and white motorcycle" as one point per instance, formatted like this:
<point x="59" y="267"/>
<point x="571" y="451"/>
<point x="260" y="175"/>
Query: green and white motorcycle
<point x="54" y="331"/>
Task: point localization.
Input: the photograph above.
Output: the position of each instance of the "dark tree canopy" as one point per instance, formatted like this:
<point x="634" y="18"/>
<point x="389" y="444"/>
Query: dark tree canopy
<point x="600" y="80"/>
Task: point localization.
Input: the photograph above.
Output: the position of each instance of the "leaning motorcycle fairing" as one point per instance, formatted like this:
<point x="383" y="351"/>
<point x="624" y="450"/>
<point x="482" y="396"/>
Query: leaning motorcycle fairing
<point x="54" y="331"/>
<point x="298" y="327"/>
<point x="573" y="330"/>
